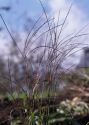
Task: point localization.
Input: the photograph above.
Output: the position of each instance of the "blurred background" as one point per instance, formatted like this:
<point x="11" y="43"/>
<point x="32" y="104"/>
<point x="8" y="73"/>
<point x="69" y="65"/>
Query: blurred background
<point x="18" y="18"/>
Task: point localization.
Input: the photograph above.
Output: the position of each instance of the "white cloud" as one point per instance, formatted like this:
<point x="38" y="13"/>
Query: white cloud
<point x="6" y="40"/>
<point x="76" y="19"/>
<point x="4" y="44"/>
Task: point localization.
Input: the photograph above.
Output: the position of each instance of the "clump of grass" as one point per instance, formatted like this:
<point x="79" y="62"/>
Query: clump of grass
<point x="50" y="59"/>
<point x="41" y="64"/>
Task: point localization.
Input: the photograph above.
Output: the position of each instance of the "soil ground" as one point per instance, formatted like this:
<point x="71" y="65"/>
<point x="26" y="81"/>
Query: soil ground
<point x="6" y="106"/>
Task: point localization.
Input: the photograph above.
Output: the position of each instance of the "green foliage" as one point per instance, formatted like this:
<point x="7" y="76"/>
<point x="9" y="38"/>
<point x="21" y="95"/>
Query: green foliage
<point x="75" y="79"/>
<point x="65" y="113"/>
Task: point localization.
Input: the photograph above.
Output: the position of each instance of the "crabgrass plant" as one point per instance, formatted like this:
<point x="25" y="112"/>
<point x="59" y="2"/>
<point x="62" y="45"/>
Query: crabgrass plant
<point x="41" y="65"/>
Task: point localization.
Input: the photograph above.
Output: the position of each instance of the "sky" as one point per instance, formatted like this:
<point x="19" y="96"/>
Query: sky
<point x="83" y="5"/>
<point x="20" y="10"/>
<point x="32" y="9"/>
